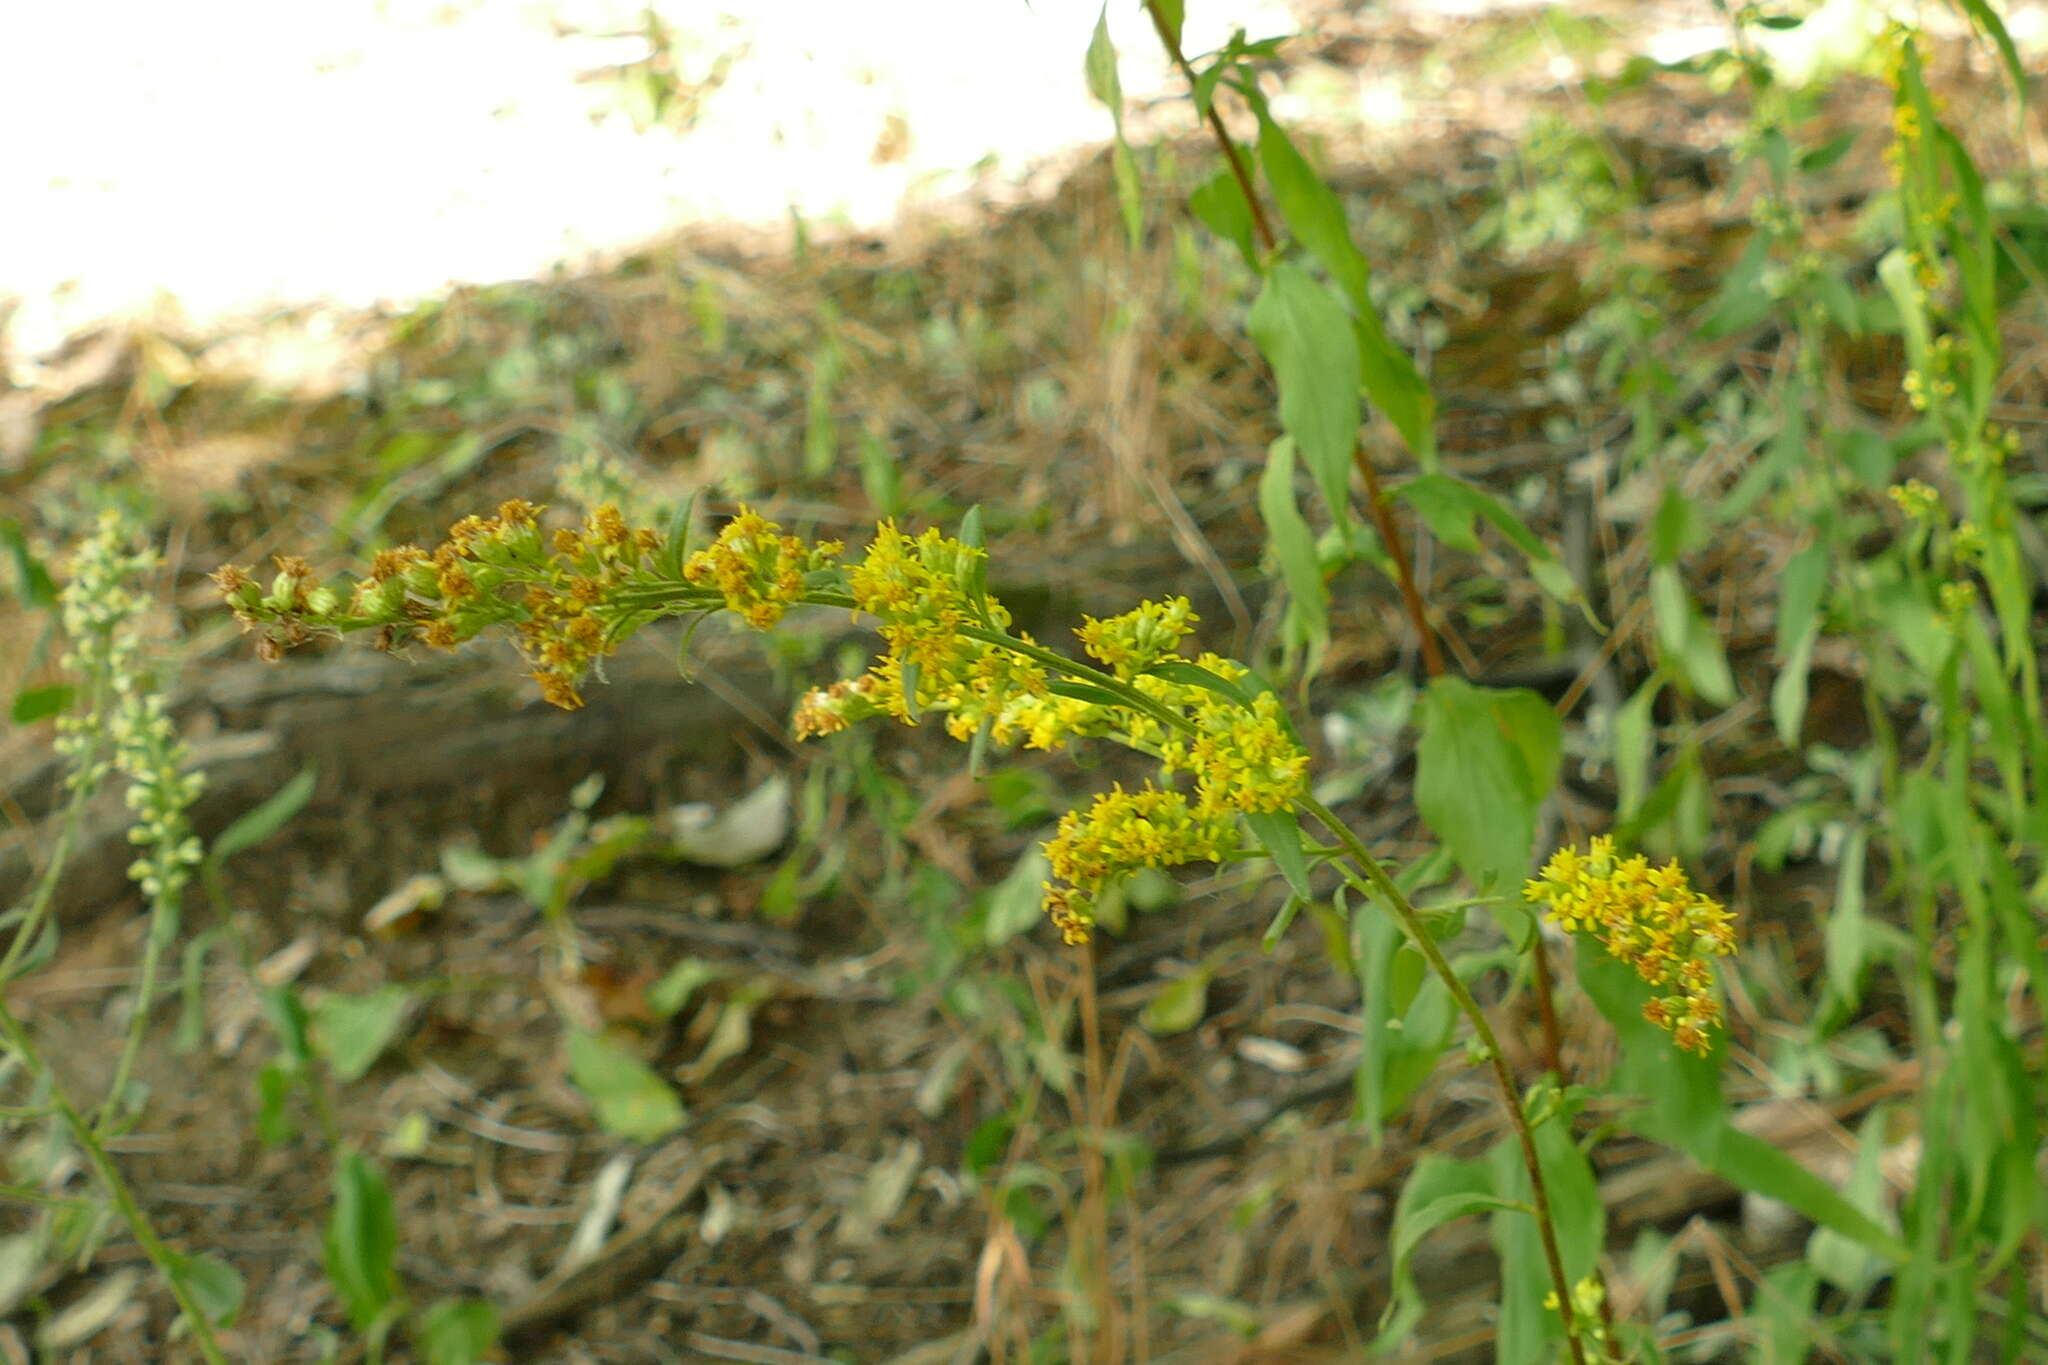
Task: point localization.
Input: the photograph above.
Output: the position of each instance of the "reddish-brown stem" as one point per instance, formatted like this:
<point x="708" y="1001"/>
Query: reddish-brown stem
<point x="1382" y="517"/>
<point x="1170" y="40"/>
<point x="1397" y="550"/>
<point x="1553" y="1037"/>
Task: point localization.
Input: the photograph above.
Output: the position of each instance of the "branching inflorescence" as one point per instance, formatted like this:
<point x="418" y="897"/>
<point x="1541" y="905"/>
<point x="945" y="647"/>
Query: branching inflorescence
<point x="1222" y="742"/>
<point x="572" y="598"/>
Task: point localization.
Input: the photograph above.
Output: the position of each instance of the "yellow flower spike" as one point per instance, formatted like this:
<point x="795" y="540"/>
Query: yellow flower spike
<point x="1651" y="919"/>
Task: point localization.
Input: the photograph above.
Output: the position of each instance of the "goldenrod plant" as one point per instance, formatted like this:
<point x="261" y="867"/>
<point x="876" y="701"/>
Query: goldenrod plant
<point x="1905" y="547"/>
<point x="1233" y="780"/>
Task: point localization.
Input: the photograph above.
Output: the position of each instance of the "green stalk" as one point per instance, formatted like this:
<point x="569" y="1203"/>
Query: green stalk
<point x="161" y="1256"/>
<point x="1405" y="915"/>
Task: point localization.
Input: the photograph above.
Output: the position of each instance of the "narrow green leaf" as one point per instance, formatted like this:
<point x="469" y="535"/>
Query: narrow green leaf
<point x="253" y="827"/>
<point x="1439" y="1190"/>
<point x="880" y="476"/>
<point x="1449" y="507"/>
<point x="362" y="1240"/>
<point x="1986" y="19"/>
<point x="1316" y="217"/>
<point x="1293" y="546"/>
<point x="1307" y="339"/>
<point x="1688" y="641"/>
<point x="1799" y="593"/>
<point x="1080" y="691"/>
<point x="1280" y="833"/>
<point x="1314" y="214"/>
<point x="1194" y="675"/>
<point x="1281" y="922"/>
<point x="1100" y="67"/>
<point x="32" y="704"/>
<point x="1130" y="197"/>
<point x="1633" y="741"/>
<point x="1169" y="14"/>
<point x="274" y="1085"/>
<point x="32" y="582"/>
<point x="675" y="541"/>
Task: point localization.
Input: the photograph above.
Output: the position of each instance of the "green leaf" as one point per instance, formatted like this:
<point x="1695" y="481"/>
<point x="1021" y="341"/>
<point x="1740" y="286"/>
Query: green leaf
<point x="32" y="704"/>
<point x="1828" y="153"/>
<point x="458" y="1331"/>
<point x="1281" y="921"/>
<point x="1017" y="902"/>
<point x="1486" y="762"/>
<point x="254" y="826"/>
<point x="1314" y="214"/>
<point x="679" y="983"/>
<point x="1799" y="594"/>
<point x="1688" y="641"/>
<point x="1194" y="675"/>
<point x="630" y="1099"/>
<point x="215" y="1286"/>
<point x="1280" y="833"/>
<point x="880" y="476"/>
<point x="1633" y="740"/>
<point x="1088" y="692"/>
<point x="1100" y="66"/>
<point x="675" y="541"/>
<point x="1169" y="14"/>
<point x="274" y="1085"/>
<point x="352" y="1031"/>
<point x="1307" y="339"/>
<point x="1288" y="536"/>
<point x="362" y="1240"/>
<point x="1130" y="197"/>
<point x="1179" y="1005"/>
<point x="1220" y="205"/>
<point x="1847" y="936"/>
<point x="1448" y="507"/>
<point x="1439" y="1190"/>
<point x="1986" y="19"/>
<point x="1686" y="1109"/>
<point x="32" y="582"/>
<point x="1575" y="1206"/>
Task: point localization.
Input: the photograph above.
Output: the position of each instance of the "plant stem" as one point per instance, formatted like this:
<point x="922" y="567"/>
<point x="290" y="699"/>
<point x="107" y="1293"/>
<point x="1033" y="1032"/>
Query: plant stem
<point x="1405" y="915"/>
<point x="1375" y="500"/>
<point x="1171" y="42"/>
<point x="110" y="1178"/>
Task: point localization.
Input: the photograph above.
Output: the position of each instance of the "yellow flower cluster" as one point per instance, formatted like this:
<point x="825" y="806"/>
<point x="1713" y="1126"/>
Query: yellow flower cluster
<point x="1652" y="919"/>
<point x="1120" y="832"/>
<point x="925" y="593"/>
<point x="946" y="653"/>
<point x="758" y="570"/>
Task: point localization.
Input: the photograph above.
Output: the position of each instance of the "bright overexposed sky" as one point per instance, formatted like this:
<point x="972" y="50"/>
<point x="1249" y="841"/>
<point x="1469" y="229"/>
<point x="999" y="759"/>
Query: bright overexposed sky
<point x="238" y="155"/>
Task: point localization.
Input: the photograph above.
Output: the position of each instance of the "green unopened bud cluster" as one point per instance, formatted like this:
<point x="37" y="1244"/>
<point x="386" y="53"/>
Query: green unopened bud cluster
<point x="100" y="606"/>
